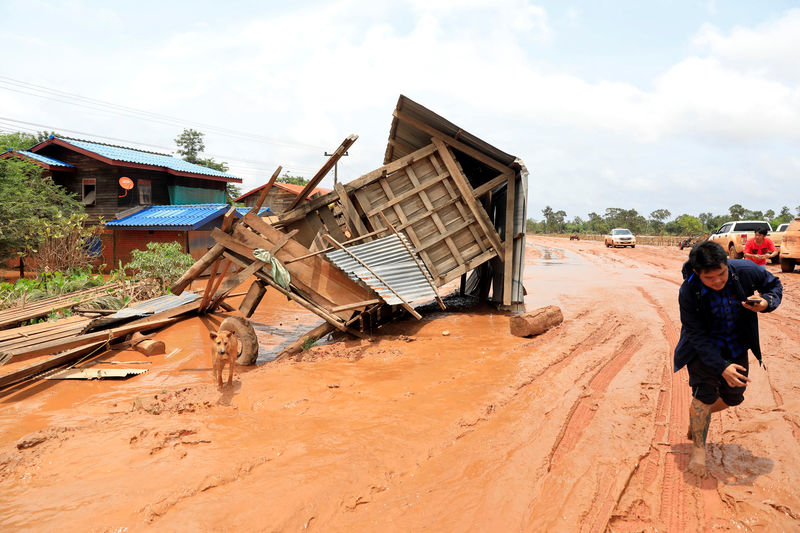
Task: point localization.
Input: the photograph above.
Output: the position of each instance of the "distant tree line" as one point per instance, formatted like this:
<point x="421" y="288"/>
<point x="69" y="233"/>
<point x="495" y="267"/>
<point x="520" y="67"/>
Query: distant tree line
<point x="659" y="222"/>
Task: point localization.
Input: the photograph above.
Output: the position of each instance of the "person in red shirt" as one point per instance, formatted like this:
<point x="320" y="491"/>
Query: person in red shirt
<point x="759" y="249"/>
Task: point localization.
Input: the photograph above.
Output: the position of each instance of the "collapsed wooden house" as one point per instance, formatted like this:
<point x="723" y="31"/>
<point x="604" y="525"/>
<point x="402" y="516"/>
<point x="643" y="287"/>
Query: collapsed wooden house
<point x="445" y="204"/>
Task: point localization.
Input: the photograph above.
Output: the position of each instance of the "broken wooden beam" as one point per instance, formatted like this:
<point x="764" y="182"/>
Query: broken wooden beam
<point x="332" y="160"/>
<point x="262" y="196"/>
<point x="197" y="269"/>
<point x="297" y="346"/>
<point x="535" y="322"/>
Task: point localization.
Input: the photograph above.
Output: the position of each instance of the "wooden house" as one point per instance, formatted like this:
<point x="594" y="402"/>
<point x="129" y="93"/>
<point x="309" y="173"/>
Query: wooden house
<point x="280" y="196"/>
<point x="94" y="173"/>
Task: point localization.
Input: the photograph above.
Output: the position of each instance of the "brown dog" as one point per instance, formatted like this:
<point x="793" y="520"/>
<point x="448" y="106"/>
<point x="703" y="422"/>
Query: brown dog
<point x="223" y="352"/>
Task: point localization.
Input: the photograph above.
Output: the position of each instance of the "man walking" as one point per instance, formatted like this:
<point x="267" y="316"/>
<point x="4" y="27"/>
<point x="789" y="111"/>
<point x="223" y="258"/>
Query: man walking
<point x="719" y="323"/>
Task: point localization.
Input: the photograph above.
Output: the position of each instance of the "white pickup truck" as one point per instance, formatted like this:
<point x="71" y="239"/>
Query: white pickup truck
<point x="733" y="235"/>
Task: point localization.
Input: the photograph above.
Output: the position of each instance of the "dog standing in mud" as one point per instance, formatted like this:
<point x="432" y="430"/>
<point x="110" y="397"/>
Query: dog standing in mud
<point x="223" y="352"/>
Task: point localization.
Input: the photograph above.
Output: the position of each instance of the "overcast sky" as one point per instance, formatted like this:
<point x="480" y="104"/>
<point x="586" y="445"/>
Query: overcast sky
<point x="687" y="106"/>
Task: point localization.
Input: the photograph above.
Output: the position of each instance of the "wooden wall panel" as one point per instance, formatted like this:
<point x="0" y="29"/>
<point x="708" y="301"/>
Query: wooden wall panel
<point x="422" y="199"/>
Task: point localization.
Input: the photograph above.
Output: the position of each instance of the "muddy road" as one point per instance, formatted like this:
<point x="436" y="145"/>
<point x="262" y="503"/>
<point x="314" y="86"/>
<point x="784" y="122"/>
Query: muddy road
<point x="579" y="429"/>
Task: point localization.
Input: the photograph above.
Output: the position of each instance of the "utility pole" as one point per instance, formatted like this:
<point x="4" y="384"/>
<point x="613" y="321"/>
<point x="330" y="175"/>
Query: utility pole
<point x="335" y="167"/>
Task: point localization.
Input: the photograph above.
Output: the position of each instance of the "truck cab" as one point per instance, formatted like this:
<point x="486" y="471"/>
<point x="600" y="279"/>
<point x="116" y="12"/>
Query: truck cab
<point x="733" y="235"/>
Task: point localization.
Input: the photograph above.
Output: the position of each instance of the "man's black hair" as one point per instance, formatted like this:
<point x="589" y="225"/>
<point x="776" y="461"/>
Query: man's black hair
<point x="762" y="231"/>
<point x="707" y="255"/>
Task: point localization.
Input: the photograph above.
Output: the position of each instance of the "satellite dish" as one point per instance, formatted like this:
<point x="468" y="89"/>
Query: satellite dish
<point x="127" y="184"/>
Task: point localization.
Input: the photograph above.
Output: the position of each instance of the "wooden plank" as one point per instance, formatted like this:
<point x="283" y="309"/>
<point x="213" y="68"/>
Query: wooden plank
<point x="262" y="196"/>
<point x="197" y="268"/>
<point x="88" y="338"/>
<point x="253" y="297"/>
<point x="234" y="281"/>
<point x="350" y="213"/>
<point x="491" y="184"/>
<point x="318" y="274"/>
<point x="509" y="241"/>
<point x="297" y="346"/>
<point x="37" y="368"/>
<point x="29" y="310"/>
<point x="436" y="218"/>
<point x="417" y="190"/>
<point x="332" y="160"/>
<point x="401" y="216"/>
<point x="455" y="197"/>
<point x="354" y="305"/>
<point x="452" y="141"/>
<point x="301" y="211"/>
<point x="405" y="304"/>
<point x="466" y="192"/>
<point x="453" y="229"/>
<point x="330" y="223"/>
<point x="326" y="250"/>
<point x="475" y="262"/>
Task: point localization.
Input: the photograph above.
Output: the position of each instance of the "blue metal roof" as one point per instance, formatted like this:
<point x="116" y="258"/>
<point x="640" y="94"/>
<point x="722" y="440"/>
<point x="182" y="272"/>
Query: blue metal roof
<point x="42" y="158"/>
<point x="171" y="217"/>
<point x="119" y="153"/>
<point x="242" y="211"/>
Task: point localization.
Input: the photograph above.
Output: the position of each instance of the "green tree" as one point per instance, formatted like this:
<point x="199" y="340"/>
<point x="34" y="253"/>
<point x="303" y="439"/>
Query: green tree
<point x="658" y="217"/>
<point x="294" y="180"/>
<point x="190" y="145"/>
<point x="34" y="208"/>
<point x="737" y="212"/>
<point x="22" y="141"/>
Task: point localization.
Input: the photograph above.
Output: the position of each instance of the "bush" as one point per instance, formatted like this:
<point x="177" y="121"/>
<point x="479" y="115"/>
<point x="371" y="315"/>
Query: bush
<point x="162" y="264"/>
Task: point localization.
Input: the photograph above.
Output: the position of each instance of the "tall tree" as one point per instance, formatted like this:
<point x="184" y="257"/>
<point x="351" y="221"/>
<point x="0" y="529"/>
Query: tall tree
<point x="191" y="145"/>
<point x="736" y="211"/>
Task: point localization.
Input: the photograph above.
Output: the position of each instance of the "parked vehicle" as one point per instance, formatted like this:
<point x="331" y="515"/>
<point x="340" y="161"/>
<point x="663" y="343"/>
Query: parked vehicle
<point x="790" y="248"/>
<point x="777" y="238"/>
<point x="620" y="237"/>
<point x="733" y="235"/>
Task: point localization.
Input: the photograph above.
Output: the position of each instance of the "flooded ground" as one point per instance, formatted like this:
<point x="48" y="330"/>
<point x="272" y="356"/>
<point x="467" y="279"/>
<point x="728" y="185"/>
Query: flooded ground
<point x="579" y="429"/>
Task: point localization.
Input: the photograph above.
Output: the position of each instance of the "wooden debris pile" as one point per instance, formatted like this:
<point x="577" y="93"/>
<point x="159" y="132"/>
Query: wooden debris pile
<point x="456" y="203"/>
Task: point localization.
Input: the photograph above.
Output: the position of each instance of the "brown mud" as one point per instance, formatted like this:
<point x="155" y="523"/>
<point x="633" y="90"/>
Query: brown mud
<point x="579" y="429"/>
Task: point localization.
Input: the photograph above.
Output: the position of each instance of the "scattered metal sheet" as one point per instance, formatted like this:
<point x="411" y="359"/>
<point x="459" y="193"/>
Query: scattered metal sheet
<point x="144" y="309"/>
<point x="390" y="260"/>
<point x="96" y="373"/>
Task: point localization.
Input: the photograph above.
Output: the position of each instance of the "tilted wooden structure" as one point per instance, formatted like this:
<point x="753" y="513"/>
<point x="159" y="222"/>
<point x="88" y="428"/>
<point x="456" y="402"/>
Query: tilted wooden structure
<point x="448" y="191"/>
<point x="459" y="202"/>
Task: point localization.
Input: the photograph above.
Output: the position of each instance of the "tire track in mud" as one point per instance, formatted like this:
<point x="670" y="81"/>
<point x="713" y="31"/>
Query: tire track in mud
<point x="671" y="418"/>
<point x="583" y="411"/>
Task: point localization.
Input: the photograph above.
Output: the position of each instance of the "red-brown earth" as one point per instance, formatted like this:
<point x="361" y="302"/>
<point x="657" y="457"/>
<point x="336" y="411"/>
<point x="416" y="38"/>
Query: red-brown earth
<point x="581" y="428"/>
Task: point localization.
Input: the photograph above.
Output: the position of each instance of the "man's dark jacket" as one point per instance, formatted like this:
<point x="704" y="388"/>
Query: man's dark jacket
<point x="744" y="278"/>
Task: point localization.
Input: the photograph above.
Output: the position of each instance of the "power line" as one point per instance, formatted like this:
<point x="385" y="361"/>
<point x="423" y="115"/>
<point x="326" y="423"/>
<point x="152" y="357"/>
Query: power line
<point x="39" y="91"/>
<point x="265" y="166"/>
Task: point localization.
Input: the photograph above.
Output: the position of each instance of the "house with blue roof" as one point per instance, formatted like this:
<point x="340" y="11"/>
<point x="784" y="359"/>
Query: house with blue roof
<point x="141" y="196"/>
<point x="113" y="180"/>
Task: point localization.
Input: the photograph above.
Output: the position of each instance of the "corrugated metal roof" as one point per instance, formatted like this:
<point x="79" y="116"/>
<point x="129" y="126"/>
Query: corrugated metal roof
<point x="130" y="155"/>
<point x="146" y="308"/>
<point x="411" y="136"/>
<point x="41" y="158"/>
<point x="174" y="217"/>
<point x="264" y="211"/>
<point x="393" y="263"/>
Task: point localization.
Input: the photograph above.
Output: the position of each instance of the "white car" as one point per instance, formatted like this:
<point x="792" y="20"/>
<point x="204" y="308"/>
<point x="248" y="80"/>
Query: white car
<point x="620" y="237"/>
